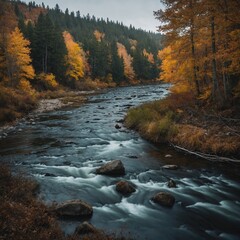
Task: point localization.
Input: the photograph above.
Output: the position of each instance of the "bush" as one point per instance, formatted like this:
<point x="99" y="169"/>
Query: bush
<point x="45" y="82"/>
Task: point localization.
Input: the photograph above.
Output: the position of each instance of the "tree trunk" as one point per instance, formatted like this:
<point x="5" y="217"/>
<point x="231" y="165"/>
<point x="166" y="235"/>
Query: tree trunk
<point x="46" y="59"/>
<point x="215" y="89"/>
<point x="194" y="64"/>
<point x="195" y="80"/>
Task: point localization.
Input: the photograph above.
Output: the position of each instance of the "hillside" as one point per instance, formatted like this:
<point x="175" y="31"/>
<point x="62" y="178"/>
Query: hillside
<point x="43" y="49"/>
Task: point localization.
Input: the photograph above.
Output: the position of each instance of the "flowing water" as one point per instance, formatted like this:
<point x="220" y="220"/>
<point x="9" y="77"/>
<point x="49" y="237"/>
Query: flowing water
<point x="62" y="150"/>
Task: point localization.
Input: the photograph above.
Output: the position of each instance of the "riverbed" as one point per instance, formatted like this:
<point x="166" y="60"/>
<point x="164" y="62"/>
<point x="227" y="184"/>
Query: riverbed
<point x="62" y="150"/>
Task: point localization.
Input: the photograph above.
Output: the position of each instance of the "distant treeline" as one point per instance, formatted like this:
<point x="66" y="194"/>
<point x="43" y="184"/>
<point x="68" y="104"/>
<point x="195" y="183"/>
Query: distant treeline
<point x="109" y="51"/>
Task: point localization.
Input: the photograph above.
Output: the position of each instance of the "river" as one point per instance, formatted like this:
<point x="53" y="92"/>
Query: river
<point x="70" y="144"/>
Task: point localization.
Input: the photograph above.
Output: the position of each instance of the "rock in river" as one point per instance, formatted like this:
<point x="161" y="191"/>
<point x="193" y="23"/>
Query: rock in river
<point x="170" y="167"/>
<point x="172" y="184"/>
<point x="85" y="228"/>
<point x="125" y="188"/>
<point x="164" y="199"/>
<point x="74" y="208"/>
<point x="117" y="126"/>
<point x="114" y="168"/>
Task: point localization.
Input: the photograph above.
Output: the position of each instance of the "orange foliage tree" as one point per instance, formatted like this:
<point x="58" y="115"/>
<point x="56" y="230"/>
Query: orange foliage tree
<point x="98" y="35"/>
<point x="127" y="60"/>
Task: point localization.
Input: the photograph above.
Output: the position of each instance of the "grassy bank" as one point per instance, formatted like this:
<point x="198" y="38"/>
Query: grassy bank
<point x="180" y="120"/>
<point x="24" y="217"/>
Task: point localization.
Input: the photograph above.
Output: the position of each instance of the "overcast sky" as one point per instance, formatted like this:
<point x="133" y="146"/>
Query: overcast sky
<point x="139" y="13"/>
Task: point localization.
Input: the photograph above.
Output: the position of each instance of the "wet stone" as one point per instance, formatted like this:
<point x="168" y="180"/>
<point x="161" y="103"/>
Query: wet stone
<point x="117" y="126"/>
<point x="125" y="188"/>
<point x="114" y="168"/>
<point x="74" y="208"/>
<point x="164" y="199"/>
<point x="171" y="184"/>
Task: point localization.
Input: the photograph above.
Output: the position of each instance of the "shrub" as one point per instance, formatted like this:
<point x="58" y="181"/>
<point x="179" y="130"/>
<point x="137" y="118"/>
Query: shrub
<point x="46" y="81"/>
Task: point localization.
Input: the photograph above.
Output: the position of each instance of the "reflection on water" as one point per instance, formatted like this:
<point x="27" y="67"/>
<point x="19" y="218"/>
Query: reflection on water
<point x="64" y="148"/>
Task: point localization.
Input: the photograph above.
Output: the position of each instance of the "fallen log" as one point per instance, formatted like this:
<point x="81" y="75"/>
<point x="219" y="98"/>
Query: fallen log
<point x="209" y="157"/>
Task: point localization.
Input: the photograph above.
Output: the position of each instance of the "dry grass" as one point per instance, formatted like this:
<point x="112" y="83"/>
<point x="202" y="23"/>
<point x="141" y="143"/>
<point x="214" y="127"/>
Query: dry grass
<point x="179" y="120"/>
<point x="14" y="103"/>
<point x="156" y="121"/>
<point x="215" y="140"/>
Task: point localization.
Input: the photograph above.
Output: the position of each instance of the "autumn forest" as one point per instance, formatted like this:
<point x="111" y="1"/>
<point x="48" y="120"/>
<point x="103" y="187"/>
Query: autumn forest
<point x="43" y="48"/>
<point x="111" y="132"/>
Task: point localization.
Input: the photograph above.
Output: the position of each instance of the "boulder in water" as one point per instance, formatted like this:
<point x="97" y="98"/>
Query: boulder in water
<point x="114" y="168"/>
<point x="164" y="199"/>
<point x="85" y="228"/>
<point x="125" y="188"/>
<point x="74" y="208"/>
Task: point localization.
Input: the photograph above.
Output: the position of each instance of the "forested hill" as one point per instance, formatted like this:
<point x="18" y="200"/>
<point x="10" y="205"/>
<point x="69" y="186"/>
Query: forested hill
<point x="110" y="51"/>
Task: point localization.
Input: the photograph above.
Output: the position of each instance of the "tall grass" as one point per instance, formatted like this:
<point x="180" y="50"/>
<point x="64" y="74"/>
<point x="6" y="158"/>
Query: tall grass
<point x="155" y="121"/>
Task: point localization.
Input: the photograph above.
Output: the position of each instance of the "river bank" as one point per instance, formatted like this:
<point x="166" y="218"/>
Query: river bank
<point x="47" y="102"/>
<point x="200" y="130"/>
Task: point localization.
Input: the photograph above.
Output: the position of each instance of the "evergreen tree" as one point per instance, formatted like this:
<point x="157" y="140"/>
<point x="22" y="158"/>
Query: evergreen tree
<point x="48" y="47"/>
<point x="117" y="65"/>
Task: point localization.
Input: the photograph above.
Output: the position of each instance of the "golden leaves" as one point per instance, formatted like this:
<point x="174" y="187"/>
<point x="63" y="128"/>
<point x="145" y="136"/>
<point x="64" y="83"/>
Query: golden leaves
<point x="18" y="59"/>
<point x="127" y="60"/>
<point x="75" y="58"/>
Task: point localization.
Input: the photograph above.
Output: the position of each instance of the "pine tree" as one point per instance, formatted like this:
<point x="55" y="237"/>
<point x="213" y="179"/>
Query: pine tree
<point x="48" y="47"/>
<point x="117" y="65"/>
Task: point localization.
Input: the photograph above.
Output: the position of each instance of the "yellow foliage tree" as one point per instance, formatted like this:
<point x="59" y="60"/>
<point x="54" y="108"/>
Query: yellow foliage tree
<point x="25" y="86"/>
<point x="176" y="68"/>
<point x="75" y="58"/>
<point x="203" y="37"/>
<point x="127" y="60"/>
<point x="18" y="59"/>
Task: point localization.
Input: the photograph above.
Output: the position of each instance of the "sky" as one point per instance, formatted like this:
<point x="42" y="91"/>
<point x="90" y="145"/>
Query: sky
<point x="139" y="13"/>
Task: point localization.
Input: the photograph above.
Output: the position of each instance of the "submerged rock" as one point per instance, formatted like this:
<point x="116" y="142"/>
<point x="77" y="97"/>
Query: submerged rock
<point x="170" y="167"/>
<point x="114" y="168"/>
<point x="164" y="199"/>
<point x="74" y="208"/>
<point x="85" y="228"/>
<point x="50" y="175"/>
<point x="117" y="126"/>
<point x="172" y="184"/>
<point x="125" y="188"/>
